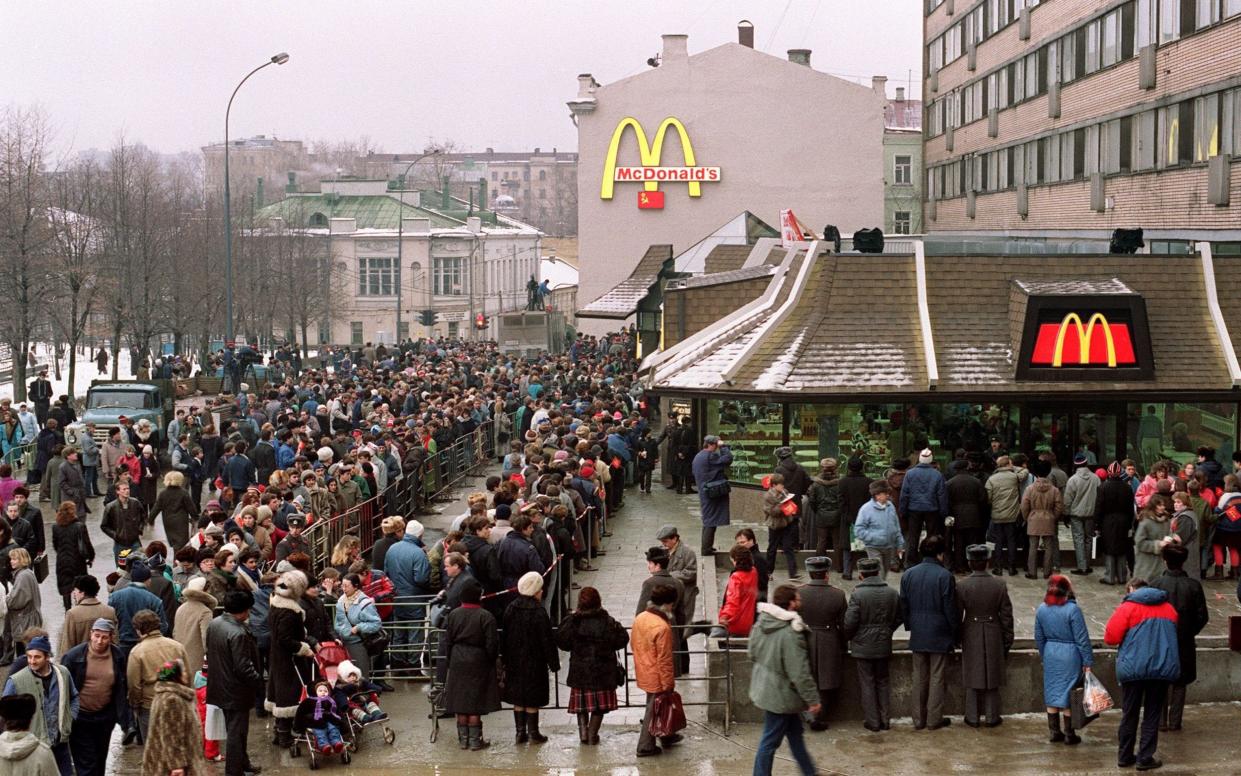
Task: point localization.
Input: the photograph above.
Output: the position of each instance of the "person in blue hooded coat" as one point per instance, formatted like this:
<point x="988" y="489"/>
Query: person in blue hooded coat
<point x="1147" y="662"/>
<point x="1064" y="646"/>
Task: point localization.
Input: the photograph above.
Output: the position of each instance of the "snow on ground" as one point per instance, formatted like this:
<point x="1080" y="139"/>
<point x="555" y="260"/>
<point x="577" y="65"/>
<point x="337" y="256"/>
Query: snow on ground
<point x="87" y="371"/>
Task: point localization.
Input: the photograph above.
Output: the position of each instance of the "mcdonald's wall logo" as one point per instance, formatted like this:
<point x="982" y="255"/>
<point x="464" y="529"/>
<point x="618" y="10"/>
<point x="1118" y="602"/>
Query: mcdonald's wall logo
<point x="1101" y="338"/>
<point x="649" y="172"/>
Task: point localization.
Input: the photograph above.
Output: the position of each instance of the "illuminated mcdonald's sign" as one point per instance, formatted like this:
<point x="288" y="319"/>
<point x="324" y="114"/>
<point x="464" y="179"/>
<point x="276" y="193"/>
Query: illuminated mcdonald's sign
<point x="1096" y="338"/>
<point x="649" y="172"/>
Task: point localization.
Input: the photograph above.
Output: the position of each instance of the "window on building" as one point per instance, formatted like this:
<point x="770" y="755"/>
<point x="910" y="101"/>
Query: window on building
<point x="874" y="433"/>
<point x="1092" y="46"/>
<point x="1230" y="123"/>
<point x="1147" y="22"/>
<point x="935" y="54"/>
<point x="447" y="276"/>
<point x="376" y="277"/>
<point x="1176" y="134"/>
<point x="754" y="431"/>
<point x="1067" y="155"/>
<point x="1110" y="46"/>
<point x="1050" y="152"/>
<point x="1092" y="150"/>
<point x="1110" y="147"/>
<point x="1169" y="20"/>
<point x="1032" y="169"/>
<point x="525" y="175"/>
<point x="1232" y="8"/>
<point x="1144" y="140"/>
<point x="1068" y="59"/>
<point x="1206" y="13"/>
<point x="1206" y="127"/>
<point x="495" y="176"/>
<point x="403" y="334"/>
<point x="542" y="175"/>
<point x="454" y="329"/>
<point x="542" y="193"/>
<point x="1175" y="430"/>
<point x="317" y="220"/>
<point x="355" y="332"/>
<point x="902" y="169"/>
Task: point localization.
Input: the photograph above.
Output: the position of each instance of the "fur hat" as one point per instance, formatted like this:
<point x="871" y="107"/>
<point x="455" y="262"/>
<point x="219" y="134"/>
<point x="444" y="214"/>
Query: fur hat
<point x="414" y="528"/>
<point x="196" y="583"/>
<point x="291" y="584"/>
<point x="324" y="454"/>
<point x="530" y="583"/>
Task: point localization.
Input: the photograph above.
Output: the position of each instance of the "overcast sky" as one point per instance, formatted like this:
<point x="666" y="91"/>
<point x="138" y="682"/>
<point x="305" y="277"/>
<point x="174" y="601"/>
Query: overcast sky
<point x="398" y="72"/>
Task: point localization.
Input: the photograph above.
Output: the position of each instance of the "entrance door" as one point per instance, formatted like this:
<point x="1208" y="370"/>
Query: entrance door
<point x="1066" y="430"/>
<point x="1049" y="429"/>
<point x="1098" y="434"/>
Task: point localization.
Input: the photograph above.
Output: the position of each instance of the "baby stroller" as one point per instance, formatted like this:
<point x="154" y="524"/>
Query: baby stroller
<point x="304" y="721"/>
<point x="328" y="658"/>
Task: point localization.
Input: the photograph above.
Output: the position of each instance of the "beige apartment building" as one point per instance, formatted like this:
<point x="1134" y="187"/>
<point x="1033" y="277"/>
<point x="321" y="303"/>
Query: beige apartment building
<point x="1077" y="117"/>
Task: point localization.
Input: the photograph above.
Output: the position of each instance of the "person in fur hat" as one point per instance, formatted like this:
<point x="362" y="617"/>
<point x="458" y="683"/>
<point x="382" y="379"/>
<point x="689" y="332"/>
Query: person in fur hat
<point x="290" y="653"/>
<point x="174" y="742"/>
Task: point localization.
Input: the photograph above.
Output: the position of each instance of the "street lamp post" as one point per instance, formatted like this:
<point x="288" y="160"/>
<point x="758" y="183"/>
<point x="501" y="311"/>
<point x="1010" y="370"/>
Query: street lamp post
<point x="277" y="59"/>
<point x="400" y="240"/>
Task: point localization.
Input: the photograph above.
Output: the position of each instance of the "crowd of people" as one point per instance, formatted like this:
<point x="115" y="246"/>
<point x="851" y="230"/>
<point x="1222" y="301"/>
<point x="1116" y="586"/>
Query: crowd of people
<point x="229" y="613"/>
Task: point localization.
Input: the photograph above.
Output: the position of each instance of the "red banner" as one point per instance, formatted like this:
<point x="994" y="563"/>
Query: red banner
<point x="650" y="200"/>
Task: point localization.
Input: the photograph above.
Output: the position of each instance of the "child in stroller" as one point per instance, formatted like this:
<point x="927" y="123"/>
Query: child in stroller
<point x="359" y="696"/>
<point x="317" y="715"/>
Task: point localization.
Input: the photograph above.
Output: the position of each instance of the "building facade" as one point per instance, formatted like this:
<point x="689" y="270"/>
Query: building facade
<point x="902" y="163"/>
<point x="1084" y="116"/>
<point x="721" y="132"/>
<point x="538" y="187"/>
<point x="454" y="261"/>
<point x="274" y="162"/>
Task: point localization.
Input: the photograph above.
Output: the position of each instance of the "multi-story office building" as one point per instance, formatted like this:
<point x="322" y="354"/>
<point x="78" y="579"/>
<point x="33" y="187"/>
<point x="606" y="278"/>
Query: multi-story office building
<point x="1075" y="117"/>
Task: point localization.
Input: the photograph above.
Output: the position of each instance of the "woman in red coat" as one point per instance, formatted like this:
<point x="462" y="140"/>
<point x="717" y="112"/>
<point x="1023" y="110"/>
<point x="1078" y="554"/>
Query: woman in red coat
<point x="740" y="596"/>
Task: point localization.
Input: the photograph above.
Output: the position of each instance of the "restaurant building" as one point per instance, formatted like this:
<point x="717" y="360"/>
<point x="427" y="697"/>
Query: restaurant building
<point x="881" y="355"/>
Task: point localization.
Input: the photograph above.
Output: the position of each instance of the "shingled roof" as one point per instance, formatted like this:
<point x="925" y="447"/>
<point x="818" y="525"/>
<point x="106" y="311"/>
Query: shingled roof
<point x="622" y="300"/>
<point x="853" y="326"/>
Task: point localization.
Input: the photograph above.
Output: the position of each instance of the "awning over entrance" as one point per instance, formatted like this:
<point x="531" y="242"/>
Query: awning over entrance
<point x="855" y="324"/>
<point x="622" y="301"/>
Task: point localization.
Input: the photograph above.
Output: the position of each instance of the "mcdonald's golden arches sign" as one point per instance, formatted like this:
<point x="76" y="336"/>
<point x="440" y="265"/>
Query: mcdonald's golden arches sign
<point x="1103" y="337"/>
<point x="650" y="172"/>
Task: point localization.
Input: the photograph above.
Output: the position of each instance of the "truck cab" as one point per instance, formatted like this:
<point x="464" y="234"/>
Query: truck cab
<point x="106" y="402"/>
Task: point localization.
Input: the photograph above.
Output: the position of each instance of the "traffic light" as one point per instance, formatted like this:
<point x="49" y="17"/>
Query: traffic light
<point x="481" y="321"/>
<point x="426" y="317"/>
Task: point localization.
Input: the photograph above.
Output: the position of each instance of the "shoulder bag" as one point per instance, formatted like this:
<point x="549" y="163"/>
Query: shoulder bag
<point x="375" y="643"/>
<point x="717" y="489"/>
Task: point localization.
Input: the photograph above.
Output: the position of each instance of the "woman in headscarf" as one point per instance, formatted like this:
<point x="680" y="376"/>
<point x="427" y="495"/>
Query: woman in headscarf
<point x="174" y="742"/>
<point x="1064" y="646"/>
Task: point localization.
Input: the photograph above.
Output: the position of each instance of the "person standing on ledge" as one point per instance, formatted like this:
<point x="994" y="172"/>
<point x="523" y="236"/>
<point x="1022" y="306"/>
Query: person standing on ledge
<point x="986" y="637"/>
<point x="709" y="468"/>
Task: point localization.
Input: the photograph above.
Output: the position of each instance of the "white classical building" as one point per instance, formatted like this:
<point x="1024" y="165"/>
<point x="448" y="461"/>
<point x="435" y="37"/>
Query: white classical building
<point x="454" y="260"/>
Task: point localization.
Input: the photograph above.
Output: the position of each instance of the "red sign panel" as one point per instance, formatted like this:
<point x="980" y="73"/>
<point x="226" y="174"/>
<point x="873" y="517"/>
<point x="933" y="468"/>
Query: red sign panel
<point x="1093" y="343"/>
<point x="650" y="200"/>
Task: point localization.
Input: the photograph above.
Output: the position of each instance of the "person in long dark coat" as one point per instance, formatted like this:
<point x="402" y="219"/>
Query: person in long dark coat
<point x="986" y="636"/>
<point x="591" y="637"/>
<point x="797" y="482"/>
<point x="823" y="610"/>
<point x="710" y="465"/>
<point x="178" y="508"/>
<point x="854" y="493"/>
<point x="967" y="505"/>
<point x="529" y="651"/>
<point x="72" y="485"/>
<point x="289" y="653"/>
<point x="471" y="690"/>
<point x="73" y="549"/>
<point x="1186" y="596"/>
<point x="1114" y="521"/>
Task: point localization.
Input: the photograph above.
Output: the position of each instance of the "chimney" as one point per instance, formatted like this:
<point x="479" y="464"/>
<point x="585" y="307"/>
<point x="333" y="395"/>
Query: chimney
<point x="900" y="94"/>
<point x="445" y="200"/>
<point x="482" y="193"/>
<point x="800" y="56"/>
<point x="745" y="33"/>
<point x="474" y="224"/>
<point x="585" y="85"/>
<point x="676" y="49"/>
<point x="880" y="84"/>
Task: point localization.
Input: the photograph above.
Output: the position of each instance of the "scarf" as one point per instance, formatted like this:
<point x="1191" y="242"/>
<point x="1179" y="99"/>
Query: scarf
<point x="320" y="703"/>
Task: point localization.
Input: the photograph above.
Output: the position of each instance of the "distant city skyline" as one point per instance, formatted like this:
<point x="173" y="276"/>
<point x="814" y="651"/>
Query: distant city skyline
<point x="397" y="74"/>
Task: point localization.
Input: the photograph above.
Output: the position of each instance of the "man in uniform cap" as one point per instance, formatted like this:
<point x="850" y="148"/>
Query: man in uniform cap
<point x="823" y="610"/>
<point x="657" y="560"/>
<point x="986" y="637"/>
<point x="873" y="615"/>
<point x="293" y="541"/>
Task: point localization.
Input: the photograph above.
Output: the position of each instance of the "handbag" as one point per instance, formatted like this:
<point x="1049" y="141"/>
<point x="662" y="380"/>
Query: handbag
<point x="374" y="643"/>
<point x="717" y="489"/>
<point x="40" y="567"/>
<point x="501" y="674"/>
<point x="667" y="714"/>
<point x="621" y="675"/>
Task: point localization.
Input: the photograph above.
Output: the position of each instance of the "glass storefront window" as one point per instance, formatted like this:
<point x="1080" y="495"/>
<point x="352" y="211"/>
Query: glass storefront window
<point x="946" y="428"/>
<point x="753" y="430"/>
<point x="842" y="431"/>
<point x="1175" y="431"/>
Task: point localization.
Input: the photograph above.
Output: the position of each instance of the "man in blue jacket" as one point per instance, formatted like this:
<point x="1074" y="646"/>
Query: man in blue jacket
<point x="130" y="600"/>
<point x="924" y="503"/>
<point x="407" y="566"/>
<point x="929" y="611"/>
<point x="710" y="466"/>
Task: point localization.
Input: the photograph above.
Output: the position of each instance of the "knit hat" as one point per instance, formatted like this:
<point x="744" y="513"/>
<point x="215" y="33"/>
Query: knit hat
<point x="214" y="506"/>
<point x="925" y="456"/>
<point x="1059" y="589"/>
<point x="196" y="583"/>
<point x="1080" y="460"/>
<point x="40" y="643"/>
<point x="324" y="454"/>
<point x="414" y="528"/>
<point x="139" y="571"/>
<point x="503" y="512"/>
<point x="346" y="668"/>
<point x="530" y="583"/>
<point x="1113" y="469"/>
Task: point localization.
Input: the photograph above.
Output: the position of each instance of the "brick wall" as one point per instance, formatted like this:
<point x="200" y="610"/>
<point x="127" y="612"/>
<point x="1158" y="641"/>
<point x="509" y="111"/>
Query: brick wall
<point x="705" y="306"/>
<point x="1169" y="199"/>
<point x="1183" y="65"/>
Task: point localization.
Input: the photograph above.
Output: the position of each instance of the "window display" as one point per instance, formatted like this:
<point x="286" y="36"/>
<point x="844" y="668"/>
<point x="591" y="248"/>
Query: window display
<point x="753" y="430"/>
<point x="1175" y="431"/>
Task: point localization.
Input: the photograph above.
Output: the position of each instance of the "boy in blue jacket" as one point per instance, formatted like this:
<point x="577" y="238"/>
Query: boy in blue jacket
<point x="879" y="529"/>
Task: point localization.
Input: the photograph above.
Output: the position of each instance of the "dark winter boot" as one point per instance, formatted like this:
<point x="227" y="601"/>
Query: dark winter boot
<point x="583" y="722"/>
<point x="519" y="720"/>
<point x="596" y="719"/>
<point x="463" y="736"/>
<point x="476" y="738"/>
<point x="1070" y="737"/>
<point x="284" y="733"/>
<point x="532" y="728"/>
<point x="1053" y="724"/>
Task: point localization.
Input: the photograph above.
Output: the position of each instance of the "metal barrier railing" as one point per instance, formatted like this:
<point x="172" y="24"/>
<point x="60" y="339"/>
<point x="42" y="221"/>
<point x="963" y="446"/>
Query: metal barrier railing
<point x="20" y="456"/>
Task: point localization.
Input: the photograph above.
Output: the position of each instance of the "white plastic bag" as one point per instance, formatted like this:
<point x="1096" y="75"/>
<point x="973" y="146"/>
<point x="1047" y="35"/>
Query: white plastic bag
<point x="1096" y="698"/>
<point x="215" y="729"/>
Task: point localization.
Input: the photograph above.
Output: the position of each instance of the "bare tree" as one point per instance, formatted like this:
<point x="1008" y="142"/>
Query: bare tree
<point x="299" y="262"/>
<point x="76" y="255"/>
<point x="25" y="233"/>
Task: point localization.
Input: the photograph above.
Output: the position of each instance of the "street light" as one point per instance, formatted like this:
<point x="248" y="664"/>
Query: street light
<point x="277" y="59"/>
<point x="400" y="239"/>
